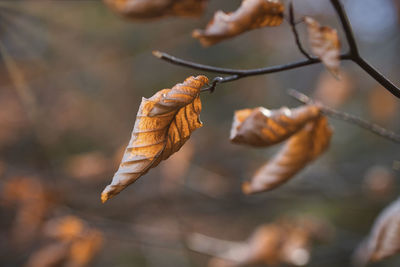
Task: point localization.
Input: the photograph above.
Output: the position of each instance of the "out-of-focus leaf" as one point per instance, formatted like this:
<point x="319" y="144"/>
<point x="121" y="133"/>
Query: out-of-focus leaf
<point x="384" y="239"/>
<point x="283" y="241"/>
<point x="163" y="124"/>
<point x="325" y="44"/>
<point x="379" y="182"/>
<point x="49" y="256"/>
<point x="75" y="243"/>
<point x="150" y="9"/>
<point x="382" y="105"/>
<point x="301" y="148"/>
<point x="87" y="166"/>
<point x="263" y="127"/>
<point x="33" y="202"/>
<point x="252" y="14"/>
<point x="332" y="91"/>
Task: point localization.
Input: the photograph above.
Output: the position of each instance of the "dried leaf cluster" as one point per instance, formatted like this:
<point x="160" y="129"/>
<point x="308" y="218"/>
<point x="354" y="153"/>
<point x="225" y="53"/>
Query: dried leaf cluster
<point x="285" y="241"/>
<point x="75" y="244"/>
<point x="163" y="124"/>
<point x="307" y="133"/>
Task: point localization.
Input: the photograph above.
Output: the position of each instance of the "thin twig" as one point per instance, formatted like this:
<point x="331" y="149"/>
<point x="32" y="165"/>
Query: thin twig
<point x="355" y="55"/>
<point x="295" y="33"/>
<point x="376" y="129"/>
<point x="242" y="73"/>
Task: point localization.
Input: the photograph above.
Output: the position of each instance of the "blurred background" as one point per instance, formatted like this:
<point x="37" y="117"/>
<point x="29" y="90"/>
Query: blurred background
<point x="72" y="75"/>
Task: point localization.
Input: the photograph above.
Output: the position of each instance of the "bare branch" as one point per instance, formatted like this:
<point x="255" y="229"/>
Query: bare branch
<point x="376" y="129"/>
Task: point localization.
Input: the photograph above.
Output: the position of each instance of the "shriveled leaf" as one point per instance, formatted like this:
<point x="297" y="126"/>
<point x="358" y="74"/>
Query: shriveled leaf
<point x="252" y="14"/>
<point x="384" y="239"/>
<point x="263" y="127"/>
<point x="325" y="44"/>
<point x="163" y="124"/>
<point x="150" y="9"/>
<point x="301" y="148"/>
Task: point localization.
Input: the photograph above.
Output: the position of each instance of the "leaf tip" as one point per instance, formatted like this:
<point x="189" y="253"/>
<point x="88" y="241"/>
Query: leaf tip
<point x="246" y="188"/>
<point x="157" y="54"/>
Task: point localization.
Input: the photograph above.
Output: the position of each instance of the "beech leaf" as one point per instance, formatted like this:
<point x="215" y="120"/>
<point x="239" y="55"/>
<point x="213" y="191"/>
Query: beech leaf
<point x="149" y="9"/>
<point x="252" y="14"/>
<point x="163" y="124"/>
<point x="384" y="239"/>
<point x="300" y="149"/>
<point x="263" y="127"/>
<point x="325" y="44"/>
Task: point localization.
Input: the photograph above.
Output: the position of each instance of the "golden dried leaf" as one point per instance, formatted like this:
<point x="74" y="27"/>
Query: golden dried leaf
<point x="302" y="148"/>
<point x="163" y="124"/>
<point x="252" y="14"/>
<point x="384" y="239"/>
<point x="263" y="127"/>
<point x="150" y="9"/>
<point x="325" y="44"/>
<point x="65" y="228"/>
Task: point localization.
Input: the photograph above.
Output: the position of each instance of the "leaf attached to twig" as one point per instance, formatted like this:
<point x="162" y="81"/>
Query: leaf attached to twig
<point x="163" y="124"/>
<point x="264" y="127"/>
<point x="252" y="14"/>
<point x="150" y="9"/>
<point x="325" y="44"/>
<point x="301" y="148"/>
<point x="384" y="239"/>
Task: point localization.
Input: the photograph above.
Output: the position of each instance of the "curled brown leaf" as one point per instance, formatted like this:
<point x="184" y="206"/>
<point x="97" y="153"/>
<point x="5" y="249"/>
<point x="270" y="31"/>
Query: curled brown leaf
<point x="383" y="241"/>
<point x="150" y="9"/>
<point x="263" y="127"/>
<point x="252" y="14"/>
<point x="325" y="44"/>
<point x="163" y="124"/>
<point x="301" y="148"/>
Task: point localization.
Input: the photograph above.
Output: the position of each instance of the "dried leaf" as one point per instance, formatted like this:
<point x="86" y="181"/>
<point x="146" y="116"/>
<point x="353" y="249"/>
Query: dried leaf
<point x="302" y="148"/>
<point x="383" y="240"/>
<point x="252" y="14"/>
<point x="163" y="124"/>
<point x="283" y="241"/>
<point x="263" y="127"/>
<point x="150" y="9"/>
<point x="325" y="44"/>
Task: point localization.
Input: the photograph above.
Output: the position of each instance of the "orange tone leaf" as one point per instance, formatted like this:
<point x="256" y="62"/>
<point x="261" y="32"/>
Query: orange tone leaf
<point x="252" y="14"/>
<point x="150" y="9"/>
<point x="163" y="124"/>
<point x="383" y="240"/>
<point x="325" y="44"/>
<point x="302" y="148"/>
<point x="263" y="127"/>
